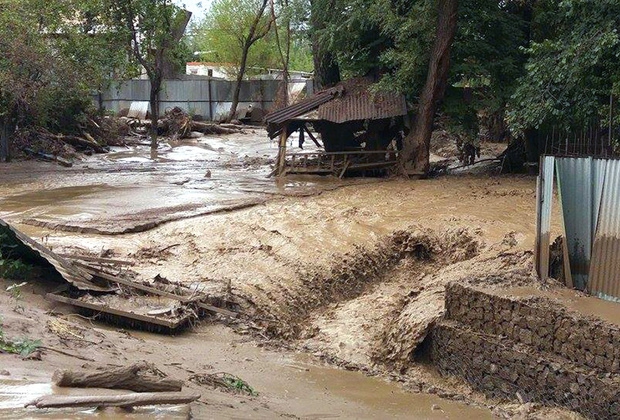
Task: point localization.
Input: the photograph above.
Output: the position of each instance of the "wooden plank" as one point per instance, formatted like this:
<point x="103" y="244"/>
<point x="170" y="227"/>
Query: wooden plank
<point x="216" y="309"/>
<point x="135" y="285"/>
<point x="312" y="136"/>
<point x="282" y="151"/>
<point x="106" y="309"/>
<point x="309" y="171"/>
<point x="134" y="399"/>
<point x="96" y="259"/>
<point x="184" y="299"/>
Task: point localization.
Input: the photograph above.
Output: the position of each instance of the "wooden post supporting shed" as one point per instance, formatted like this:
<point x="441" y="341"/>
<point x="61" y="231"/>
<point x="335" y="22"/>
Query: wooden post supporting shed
<point x="281" y="161"/>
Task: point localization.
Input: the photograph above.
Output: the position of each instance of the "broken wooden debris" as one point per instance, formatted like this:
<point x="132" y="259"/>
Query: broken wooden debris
<point x="89" y="258"/>
<point x="89" y="278"/>
<point x="49" y="157"/>
<point x="103" y="311"/>
<point x="30" y="250"/>
<point x="132" y="378"/>
<point x="192" y="298"/>
<point x="126" y="400"/>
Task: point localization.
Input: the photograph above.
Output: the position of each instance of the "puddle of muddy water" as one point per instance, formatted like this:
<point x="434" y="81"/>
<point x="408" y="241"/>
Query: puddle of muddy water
<point x="379" y="396"/>
<point x="298" y="384"/>
<point x="14" y="394"/>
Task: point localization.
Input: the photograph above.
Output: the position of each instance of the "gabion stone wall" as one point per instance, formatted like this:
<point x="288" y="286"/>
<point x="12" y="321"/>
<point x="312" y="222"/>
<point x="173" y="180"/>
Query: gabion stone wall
<point x="529" y="349"/>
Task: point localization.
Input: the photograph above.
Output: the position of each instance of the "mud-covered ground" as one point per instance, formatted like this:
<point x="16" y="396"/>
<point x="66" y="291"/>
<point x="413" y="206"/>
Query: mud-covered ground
<point x="350" y="273"/>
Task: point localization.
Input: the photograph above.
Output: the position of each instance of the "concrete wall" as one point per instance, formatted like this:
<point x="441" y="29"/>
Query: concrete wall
<point x="207" y="97"/>
<point x="531" y="349"/>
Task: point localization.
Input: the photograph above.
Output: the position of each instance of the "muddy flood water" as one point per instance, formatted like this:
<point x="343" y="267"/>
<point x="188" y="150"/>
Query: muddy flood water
<point x="224" y="224"/>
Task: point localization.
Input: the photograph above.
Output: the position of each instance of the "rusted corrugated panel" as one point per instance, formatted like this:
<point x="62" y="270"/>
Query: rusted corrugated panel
<point x="605" y="266"/>
<point x="362" y="105"/>
<point x="544" y="199"/>
<point x="70" y="273"/>
<point x="292" y="111"/>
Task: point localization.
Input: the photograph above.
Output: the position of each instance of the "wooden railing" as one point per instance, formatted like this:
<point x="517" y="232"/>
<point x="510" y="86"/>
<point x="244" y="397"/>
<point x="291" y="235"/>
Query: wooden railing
<point x="338" y="163"/>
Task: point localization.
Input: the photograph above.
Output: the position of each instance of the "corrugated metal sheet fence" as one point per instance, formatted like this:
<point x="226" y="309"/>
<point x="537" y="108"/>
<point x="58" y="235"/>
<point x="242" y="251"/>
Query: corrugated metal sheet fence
<point x="605" y="268"/>
<point x="589" y="191"/>
<point x="208" y="97"/>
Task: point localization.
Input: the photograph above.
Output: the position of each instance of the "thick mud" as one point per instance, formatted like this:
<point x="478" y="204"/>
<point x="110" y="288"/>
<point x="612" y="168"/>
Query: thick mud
<point x="351" y="272"/>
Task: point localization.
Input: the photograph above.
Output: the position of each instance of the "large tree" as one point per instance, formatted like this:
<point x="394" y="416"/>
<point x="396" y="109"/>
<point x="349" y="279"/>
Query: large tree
<point x="152" y="30"/>
<point x="573" y="65"/>
<point x="231" y="31"/>
<point x="416" y="145"/>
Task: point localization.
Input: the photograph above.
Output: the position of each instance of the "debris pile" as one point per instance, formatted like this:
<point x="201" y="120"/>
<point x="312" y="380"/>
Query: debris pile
<point x="178" y="124"/>
<point x="99" y="288"/>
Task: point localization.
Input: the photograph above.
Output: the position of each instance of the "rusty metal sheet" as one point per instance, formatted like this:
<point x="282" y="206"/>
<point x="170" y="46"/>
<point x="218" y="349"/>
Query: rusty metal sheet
<point x="285" y="114"/>
<point x="580" y="183"/>
<point x="605" y="265"/>
<point x="363" y="105"/>
<point x="544" y="200"/>
<point x="34" y="251"/>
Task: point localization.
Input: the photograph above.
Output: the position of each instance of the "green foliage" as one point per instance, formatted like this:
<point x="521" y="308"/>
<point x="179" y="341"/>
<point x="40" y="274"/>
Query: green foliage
<point x="238" y="384"/>
<point x="22" y="346"/>
<point x="62" y="53"/>
<point x="223" y="32"/>
<point x="11" y="268"/>
<point x="572" y="67"/>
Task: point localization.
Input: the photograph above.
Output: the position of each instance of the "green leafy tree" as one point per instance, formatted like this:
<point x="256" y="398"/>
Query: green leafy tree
<point x="36" y="81"/>
<point x="573" y="65"/>
<point x="231" y="30"/>
<point x="151" y="30"/>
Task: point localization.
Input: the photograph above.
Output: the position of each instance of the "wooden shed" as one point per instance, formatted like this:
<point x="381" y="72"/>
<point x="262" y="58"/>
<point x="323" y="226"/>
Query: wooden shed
<point x="360" y="128"/>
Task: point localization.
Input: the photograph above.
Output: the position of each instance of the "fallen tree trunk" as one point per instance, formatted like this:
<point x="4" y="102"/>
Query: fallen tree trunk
<point x="49" y="157"/>
<point x="209" y="128"/>
<point x="76" y="141"/>
<point x="127" y="400"/>
<point x="119" y="378"/>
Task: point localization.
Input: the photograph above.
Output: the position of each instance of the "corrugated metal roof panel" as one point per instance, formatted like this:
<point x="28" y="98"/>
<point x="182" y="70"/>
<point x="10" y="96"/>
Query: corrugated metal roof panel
<point x="544" y="199"/>
<point x="70" y="273"/>
<point x="292" y="111"/>
<point x="605" y="266"/>
<point x="362" y="105"/>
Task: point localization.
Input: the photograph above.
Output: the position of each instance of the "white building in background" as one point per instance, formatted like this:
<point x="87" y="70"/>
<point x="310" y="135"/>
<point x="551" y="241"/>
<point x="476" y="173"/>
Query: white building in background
<point x="227" y="71"/>
<point x="216" y="70"/>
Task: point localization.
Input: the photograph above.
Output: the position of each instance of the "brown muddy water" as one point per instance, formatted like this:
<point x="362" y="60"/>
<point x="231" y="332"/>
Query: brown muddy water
<point x="130" y="188"/>
<point x="133" y="189"/>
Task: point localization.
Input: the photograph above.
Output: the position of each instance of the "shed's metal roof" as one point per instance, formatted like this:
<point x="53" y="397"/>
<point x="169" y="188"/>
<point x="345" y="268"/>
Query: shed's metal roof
<point x="360" y="102"/>
<point x="293" y="111"/>
<point x="348" y="101"/>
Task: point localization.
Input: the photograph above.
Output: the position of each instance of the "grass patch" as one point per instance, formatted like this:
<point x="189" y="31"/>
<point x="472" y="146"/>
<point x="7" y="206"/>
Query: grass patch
<point x="22" y="346"/>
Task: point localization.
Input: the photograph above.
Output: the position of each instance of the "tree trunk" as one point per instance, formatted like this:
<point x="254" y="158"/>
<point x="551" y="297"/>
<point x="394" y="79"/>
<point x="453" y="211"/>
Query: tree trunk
<point x="119" y="378"/>
<point x="154" y="102"/>
<point x="416" y="147"/>
<point x="125" y="400"/>
<point x="235" y="98"/>
<point x="326" y="70"/>
<point x="5" y="133"/>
